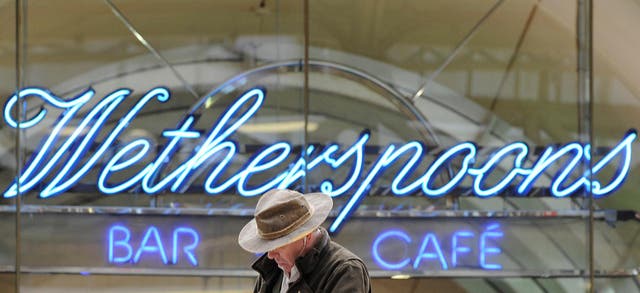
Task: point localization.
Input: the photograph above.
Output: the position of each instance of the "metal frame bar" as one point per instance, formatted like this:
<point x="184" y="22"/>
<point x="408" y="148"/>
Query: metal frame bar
<point x="361" y="213"/>
<point x="151" y="49"/>
<point x="423" y="88"/>
<point x="20" y="47"/>
<point x="584" y="30"/>
<point x="248" y="273"/>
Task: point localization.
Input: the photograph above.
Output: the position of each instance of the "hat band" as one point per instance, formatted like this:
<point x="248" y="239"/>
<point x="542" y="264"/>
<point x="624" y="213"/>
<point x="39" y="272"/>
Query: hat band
<point x="286" y="230"/>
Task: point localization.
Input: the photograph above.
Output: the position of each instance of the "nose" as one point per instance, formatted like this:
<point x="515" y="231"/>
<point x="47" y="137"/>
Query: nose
<point x="271" y="254"/>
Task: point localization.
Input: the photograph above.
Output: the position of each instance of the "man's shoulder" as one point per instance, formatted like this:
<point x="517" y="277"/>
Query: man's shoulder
<point x="339" y="253"/>
<point x="346" y="270"/>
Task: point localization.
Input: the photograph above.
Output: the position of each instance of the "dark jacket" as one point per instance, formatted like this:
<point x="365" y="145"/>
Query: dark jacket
<point x="327" y="267"/>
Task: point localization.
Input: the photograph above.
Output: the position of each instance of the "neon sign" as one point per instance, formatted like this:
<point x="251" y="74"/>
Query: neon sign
<point x="217" y="143"/>
<point x="123" y="249"/>
<point x="466" y="249"/>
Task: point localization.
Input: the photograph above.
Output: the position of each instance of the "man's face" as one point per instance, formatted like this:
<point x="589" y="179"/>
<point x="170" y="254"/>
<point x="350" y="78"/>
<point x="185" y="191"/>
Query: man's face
<point x="285" y="256"/>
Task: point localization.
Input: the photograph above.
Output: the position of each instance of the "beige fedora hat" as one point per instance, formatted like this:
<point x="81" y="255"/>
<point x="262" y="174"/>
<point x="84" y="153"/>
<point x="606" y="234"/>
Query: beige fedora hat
<point x="283" y="216"/>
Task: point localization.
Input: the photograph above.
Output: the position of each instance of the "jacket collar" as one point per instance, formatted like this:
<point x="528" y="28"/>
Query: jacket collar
<point x="267" y="268"/>
<point x="307" y="263"/>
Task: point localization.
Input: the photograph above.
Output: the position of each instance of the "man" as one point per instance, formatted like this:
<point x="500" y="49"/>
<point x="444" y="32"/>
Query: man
<point x="300" y="256"/>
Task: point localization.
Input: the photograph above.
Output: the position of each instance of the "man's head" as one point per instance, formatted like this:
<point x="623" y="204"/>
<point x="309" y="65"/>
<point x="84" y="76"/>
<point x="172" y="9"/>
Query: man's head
<point x="285" y="256"/>
<point x="282" y="220"/>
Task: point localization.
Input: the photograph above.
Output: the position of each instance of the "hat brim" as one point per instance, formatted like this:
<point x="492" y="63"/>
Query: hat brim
<point x="250" y="240"/>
